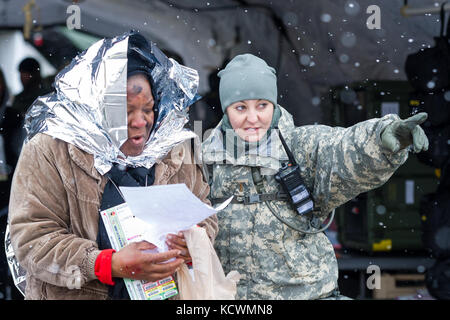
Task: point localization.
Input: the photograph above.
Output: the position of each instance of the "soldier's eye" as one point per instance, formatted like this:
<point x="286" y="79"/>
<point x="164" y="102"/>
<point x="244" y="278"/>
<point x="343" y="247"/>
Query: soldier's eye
<point x="262" y="105"/>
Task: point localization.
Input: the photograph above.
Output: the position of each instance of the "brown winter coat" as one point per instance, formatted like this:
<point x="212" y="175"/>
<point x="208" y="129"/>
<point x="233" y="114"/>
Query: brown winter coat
<point x="54" y="212"/>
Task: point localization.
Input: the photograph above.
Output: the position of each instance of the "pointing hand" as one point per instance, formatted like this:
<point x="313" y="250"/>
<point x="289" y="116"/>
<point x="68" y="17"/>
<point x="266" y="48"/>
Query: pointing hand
<point x="403" y="133"/>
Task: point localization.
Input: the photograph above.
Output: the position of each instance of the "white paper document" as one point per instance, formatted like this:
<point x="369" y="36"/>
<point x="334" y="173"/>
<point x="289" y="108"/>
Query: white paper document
<point x="164" y="209"/>
<point x="150" y="213"/>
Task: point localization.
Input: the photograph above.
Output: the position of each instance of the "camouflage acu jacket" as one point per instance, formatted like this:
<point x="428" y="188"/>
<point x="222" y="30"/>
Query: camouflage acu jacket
<point x="275" y="261"/>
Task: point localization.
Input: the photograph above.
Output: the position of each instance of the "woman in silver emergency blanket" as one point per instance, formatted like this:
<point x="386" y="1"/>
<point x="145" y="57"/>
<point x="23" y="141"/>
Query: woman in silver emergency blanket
<point x="116" y="119"/>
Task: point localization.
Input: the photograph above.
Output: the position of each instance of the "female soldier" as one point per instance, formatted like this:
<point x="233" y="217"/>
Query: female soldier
<point x="242" y="157"/>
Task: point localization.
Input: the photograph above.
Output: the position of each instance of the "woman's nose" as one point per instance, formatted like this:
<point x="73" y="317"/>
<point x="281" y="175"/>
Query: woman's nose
<point x="138" y="121"/>
<point x="252" y="116"/>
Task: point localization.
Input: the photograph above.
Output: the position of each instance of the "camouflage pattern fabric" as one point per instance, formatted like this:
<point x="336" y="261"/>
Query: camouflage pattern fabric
<point x="337" y="164"/>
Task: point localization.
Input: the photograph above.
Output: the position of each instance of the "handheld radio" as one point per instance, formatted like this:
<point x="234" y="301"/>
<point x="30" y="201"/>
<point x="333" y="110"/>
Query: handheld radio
<point x="292" y="183"/>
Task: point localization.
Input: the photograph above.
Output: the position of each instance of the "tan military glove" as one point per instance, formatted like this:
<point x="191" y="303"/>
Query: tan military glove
<point x="403" y="133"/>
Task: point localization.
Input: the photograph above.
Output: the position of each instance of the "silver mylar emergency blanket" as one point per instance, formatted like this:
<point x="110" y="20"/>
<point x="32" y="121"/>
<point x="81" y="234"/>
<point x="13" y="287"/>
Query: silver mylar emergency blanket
<point x="89" y="109"/>
<point x="17" y="272"/>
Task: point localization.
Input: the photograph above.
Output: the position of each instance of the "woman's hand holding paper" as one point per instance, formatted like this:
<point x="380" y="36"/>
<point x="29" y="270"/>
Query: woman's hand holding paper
<point x="133" y="262"/>
<point x="177" y="242"/>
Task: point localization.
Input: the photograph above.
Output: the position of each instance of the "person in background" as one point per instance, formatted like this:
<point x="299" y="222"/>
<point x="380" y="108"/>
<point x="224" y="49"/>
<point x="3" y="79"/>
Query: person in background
<point x="14" y="134"/>
<point x="33" y="87"/>
<point x="4" y="94"/>
<point x="4" y="188"/>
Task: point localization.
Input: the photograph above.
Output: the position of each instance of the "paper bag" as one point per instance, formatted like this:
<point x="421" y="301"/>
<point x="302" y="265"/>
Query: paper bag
<point x="209" y="281"/>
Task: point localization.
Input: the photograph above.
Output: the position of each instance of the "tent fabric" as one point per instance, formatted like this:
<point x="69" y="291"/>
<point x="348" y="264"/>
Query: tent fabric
<point x="312" y="44"/>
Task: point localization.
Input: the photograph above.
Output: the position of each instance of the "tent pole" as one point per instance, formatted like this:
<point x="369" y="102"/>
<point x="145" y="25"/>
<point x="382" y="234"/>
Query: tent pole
<point x="406" y="11"/>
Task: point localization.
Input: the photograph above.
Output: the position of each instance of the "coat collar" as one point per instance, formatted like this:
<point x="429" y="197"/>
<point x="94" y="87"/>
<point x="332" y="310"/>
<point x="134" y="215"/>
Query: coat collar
<point x="171" y="164"/>
<point x="165" y="169"/>
<point x="84" y="160"/>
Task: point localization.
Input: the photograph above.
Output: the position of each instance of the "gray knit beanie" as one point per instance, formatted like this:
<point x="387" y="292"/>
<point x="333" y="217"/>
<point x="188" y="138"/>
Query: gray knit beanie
<point x="247" y="77"/>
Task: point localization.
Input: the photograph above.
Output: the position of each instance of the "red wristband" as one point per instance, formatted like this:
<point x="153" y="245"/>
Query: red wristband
<point x="103" y="267"/>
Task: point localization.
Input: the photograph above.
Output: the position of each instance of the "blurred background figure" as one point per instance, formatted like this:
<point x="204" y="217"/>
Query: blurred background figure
<point x="4" y="94"/>
<point x="13" y="132"/>
<point x="11" y="140"/>
<point x="4" y="189"/>
<point x="4" y="104"/>
<point x="30" y="76"/>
